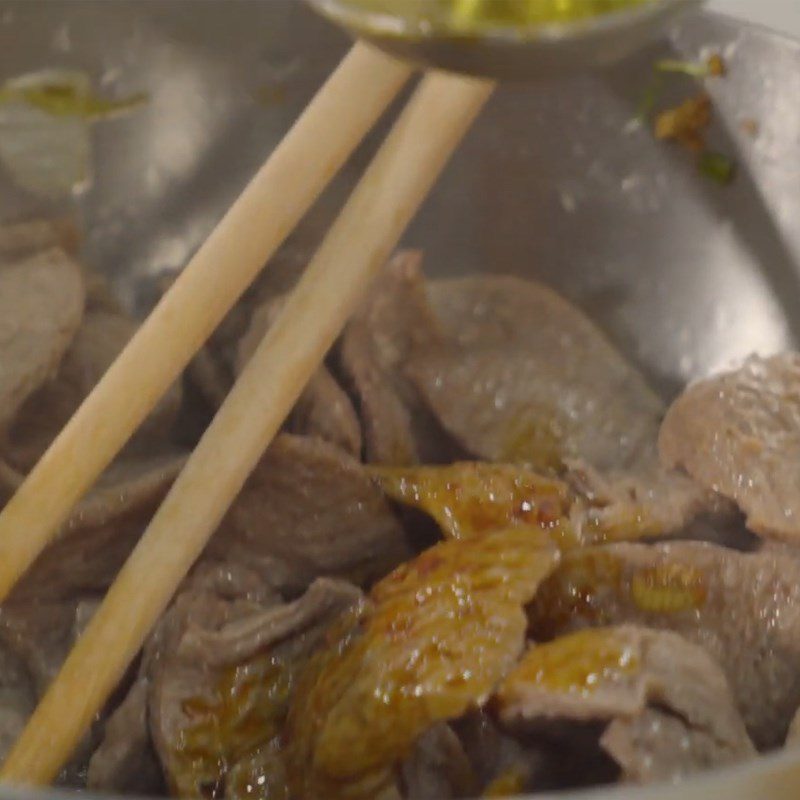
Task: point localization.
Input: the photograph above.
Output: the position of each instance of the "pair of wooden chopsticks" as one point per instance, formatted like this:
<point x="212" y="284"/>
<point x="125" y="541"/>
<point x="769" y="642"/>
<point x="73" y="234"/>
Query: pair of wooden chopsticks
<point x="367" y="229"/>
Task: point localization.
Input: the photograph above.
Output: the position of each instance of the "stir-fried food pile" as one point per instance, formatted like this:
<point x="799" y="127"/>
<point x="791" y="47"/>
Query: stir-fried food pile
<point x="482" y="558"/>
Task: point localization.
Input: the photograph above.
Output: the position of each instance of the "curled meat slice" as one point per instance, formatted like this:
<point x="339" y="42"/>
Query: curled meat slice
<point x="101" y="531"/>
<point x="739" y="433"/>
<point x="19" y="239"/>
<point x="392" y="323"/>
<point x="744" y="608"/>
<point x="525" y="376"/>
<point x="99" y="340"/>
<point x="668" y="707"/>
<point x="441" y="632"/>
<point x="221" y="691"/>
<point x="41" y="305"/>
<point x="313" y="508"/>
<point x="323" y="410"/>
<point x="213" y="594"/>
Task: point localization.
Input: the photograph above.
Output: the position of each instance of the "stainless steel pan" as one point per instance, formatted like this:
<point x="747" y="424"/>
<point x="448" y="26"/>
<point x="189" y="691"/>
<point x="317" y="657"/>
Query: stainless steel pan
<point x="557" y="181"/>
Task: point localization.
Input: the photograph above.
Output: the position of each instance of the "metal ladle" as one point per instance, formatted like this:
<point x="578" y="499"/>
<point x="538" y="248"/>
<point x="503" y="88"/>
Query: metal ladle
<point x="508" y="52"/>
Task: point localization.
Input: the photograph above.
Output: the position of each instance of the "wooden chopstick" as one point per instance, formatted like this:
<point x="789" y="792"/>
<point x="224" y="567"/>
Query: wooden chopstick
<point x="335" y="121"/>
<point x="370" y="225"/>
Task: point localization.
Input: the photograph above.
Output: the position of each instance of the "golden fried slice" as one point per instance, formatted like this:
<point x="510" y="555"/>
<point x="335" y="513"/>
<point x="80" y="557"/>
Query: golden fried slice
<point x="471" y="498"/>
<point x="742" y="607"/>
<point x="235" y="734"/>
<point x="468" y="499"/>
<point x="443" y="631"/>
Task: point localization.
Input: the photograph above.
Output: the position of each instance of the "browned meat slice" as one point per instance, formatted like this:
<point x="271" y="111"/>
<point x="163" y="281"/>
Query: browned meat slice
<point x="41" y="305"/>
<point x="314" y="509"/>
<point x="440" y="632"/>
<point x="220" y="690"/>
<point x="101" y="531"/>
<point x="97" y="343"/>
<point x="668" y="706"/>
<point x="744" y="608"/>
<point x="125" y="760"/>
<point x="470" y="498"/>
<point x="739" y="434"/>
<point x="526" y="377"/>
<point x="324" y="409"/>
<point x="393" y="322"/>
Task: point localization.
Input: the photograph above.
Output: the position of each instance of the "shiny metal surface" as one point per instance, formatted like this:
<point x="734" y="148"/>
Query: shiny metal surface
<point x="513" y="53"/>
<point x="557" y="181"/>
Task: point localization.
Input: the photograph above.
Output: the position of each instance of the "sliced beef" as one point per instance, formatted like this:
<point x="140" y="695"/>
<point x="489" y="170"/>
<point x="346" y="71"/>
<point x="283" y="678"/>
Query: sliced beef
<point x="793" y="736"/>
<point x="97" y="343"/>
<point x="525" y="377"/>
<point x="668" y="707"/>
<point x="314" y="509"/>
<point x="17" y="697"/>
<point x="220" y="693"/>
<point x="438" y="768"/>
<point x="101" y="531"/>
<point x="125" y="760"/>
<point x="439" y="634"/>
<point x="650" y="502"/>
<point x="744" y="608"/>
<point x="41" y="305"/>
<point x="393" y="322"/>
<point x="739" y="434"/>
<point x="42" y="633"/>
<point x="24" y="238"/>
<point x="36" y="638"/>
<point x="324" y="410"/>
<point x="468" y="499"/>
<point x="511" y="764"/>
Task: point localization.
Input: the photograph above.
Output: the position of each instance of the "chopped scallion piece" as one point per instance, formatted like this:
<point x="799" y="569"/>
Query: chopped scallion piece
<point x="716" y="166"/>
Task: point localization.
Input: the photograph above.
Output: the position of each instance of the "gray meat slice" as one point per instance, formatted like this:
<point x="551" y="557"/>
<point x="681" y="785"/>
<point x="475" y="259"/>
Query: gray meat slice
<point x="525" y="376"/>
<point x="99" y="340"/>
<point x="42" y="634"/>
<point x="669" y="707"/>
<point x="324" y="409"/>
<point x="315" y="509"/>
<point x="17" y="697"/>
<point x="744" y="608"/>
<point x="393" y="322"/>
<point x="793" y="736"/>
<point x="101" y="531"/>
<point x="125" y="760"/>
<point x="739" y="433"/>
<point x="41" y="305"/>
<point x="38" y="637"/>
<point x="438" y="768"/>
<point x="19" y="239"/>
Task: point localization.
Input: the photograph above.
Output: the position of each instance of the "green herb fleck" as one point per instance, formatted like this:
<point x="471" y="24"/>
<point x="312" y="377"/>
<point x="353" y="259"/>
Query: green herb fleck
<point x="650" y="98"/>
<point x="717" y="166"/>
<point x="65" y="95"/>
<point x="713" y="66"/>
